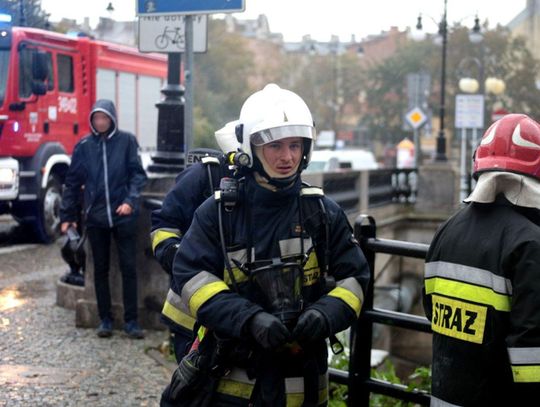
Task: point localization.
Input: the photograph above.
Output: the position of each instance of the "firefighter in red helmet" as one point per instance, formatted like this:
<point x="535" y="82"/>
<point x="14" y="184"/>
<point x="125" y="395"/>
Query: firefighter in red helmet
<point x="482" y="277"/>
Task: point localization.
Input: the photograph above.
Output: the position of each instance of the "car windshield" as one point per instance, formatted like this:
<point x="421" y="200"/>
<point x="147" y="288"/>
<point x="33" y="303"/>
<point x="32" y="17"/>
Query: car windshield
<point x="315" y="166"/>
<point x="4" y="64"/>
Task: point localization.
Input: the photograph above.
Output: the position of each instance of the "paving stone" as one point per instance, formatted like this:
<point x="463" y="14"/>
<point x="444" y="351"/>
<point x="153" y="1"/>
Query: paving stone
<point x="45" y="360"/>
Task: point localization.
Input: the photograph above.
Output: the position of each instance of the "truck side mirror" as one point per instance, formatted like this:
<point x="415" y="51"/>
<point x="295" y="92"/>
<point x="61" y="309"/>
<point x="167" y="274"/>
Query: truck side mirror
<point x="40" y="67"/>
<point x="39" y="87"/>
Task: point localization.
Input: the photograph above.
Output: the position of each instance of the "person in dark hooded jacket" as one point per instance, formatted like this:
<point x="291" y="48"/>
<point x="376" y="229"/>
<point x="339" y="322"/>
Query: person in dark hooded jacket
<point x="107" y="164"/>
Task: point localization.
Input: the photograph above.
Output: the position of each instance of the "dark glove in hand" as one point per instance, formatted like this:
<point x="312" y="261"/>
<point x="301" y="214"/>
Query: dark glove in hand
<point x="311" y="326"/>
<point x="167" y="259"/>
<point x="268" y="330"/>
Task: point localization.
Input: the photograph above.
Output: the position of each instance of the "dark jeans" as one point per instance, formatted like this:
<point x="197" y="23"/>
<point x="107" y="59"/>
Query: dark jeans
<point x="100" y="241"/>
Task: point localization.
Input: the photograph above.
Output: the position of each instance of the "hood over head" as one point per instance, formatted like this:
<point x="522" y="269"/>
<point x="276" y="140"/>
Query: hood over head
<point x="106" y="106"/>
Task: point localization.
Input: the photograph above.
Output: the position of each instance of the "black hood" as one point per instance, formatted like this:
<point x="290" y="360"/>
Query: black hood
<point x="106" y="106"/>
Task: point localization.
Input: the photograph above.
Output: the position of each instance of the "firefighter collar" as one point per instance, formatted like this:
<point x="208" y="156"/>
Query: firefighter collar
<point x="520" y="190"/>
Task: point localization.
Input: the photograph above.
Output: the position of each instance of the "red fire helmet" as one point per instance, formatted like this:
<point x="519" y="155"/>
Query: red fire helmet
<point x="511" y="144"/>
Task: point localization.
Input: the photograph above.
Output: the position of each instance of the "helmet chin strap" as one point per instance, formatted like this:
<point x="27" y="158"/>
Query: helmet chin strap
<point x="278" y="182"/>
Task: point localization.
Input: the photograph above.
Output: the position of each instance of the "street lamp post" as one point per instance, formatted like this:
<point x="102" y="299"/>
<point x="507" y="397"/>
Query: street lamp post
<point x="336" y="87"/>
<point x="440" y="154"/>
<point x="441" y="139"/>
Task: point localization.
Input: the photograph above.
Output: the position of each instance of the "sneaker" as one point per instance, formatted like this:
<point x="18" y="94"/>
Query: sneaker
<point x="133" y="330"/>
<point x="105" y="328"/>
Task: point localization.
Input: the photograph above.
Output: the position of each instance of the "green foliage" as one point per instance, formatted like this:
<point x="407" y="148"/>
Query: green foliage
<point x="221" y="75"/>
<point x="203" y="131"/>
<point x="420" y="379"/>
<point x="33" y="15"/>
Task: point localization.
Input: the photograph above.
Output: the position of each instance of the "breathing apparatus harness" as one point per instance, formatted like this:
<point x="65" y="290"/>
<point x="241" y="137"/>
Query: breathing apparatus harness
<point x="265" y="274"/>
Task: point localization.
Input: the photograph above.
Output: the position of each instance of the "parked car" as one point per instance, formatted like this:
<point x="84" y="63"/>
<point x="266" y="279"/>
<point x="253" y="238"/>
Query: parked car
<point x="339" y="160"/>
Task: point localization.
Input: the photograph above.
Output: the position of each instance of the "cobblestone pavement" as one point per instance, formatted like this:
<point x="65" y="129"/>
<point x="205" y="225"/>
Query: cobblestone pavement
<point x="46" y="361"/>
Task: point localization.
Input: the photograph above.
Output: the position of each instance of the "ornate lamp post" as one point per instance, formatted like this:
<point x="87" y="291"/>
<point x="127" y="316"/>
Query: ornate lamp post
<point x="440" y="154"/>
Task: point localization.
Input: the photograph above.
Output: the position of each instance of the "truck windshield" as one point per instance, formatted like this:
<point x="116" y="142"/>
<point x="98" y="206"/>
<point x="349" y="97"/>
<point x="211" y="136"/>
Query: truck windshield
<point x="4" y="64"/>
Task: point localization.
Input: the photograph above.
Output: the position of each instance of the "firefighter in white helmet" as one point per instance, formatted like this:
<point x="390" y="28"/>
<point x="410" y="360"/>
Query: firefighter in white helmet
<point x="269" y="269"/>
<point x="482" y="278"/>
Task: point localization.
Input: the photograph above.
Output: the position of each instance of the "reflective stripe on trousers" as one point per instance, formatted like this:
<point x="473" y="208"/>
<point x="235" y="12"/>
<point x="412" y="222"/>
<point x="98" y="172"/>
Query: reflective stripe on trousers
<point x="238" y="384"/>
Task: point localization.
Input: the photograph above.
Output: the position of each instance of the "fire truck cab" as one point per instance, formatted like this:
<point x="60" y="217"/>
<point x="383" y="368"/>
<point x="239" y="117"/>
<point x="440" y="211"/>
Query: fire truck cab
<point x="48" y="84"/>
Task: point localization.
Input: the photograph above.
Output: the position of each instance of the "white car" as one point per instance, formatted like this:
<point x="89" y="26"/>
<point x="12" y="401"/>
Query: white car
<point x="338" y="160"/>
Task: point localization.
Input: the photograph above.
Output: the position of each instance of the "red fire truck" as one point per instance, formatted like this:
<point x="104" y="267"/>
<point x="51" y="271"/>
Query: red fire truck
<point x="48" y="84"/>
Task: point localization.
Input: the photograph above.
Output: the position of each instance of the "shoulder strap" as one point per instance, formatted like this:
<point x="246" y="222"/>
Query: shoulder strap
<point x="213" y="170"/>
<point x="316" y="219"/>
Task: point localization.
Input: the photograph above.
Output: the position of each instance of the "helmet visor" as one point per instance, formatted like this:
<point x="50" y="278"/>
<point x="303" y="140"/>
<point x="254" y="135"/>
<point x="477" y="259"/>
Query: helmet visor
<point x="279" y="133"/>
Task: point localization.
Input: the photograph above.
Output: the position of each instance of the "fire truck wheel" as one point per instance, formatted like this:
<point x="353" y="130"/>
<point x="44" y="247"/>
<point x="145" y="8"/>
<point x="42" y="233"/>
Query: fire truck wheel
<point x="47" y="223"/>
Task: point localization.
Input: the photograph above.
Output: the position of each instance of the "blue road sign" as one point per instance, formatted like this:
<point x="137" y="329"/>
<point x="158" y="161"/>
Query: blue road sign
<point x="153" y="7"/>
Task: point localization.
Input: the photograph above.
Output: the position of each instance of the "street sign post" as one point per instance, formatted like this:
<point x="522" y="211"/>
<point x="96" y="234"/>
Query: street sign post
<point x="153" y="7"/>
<point x="179" y="35"/>
<point x="469" y="115"/>
<point x="469" y="112"/>
<point x="166" y="33"/>
<point x="416" y="118"/>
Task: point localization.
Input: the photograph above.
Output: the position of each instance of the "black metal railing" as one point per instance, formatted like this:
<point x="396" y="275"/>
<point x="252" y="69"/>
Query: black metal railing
<point x="392" y="185"/>
<point x="358" y="378"/>
<point x="385" y="186"/>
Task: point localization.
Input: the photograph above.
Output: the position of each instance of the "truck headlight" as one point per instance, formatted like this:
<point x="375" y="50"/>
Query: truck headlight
<point x="7" y="175"/>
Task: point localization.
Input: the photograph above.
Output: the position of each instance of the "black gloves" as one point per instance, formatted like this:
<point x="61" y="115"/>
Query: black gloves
<point x="268" y="330"/>
<point x="311" y="326"/>
<point x="167" y="259"/>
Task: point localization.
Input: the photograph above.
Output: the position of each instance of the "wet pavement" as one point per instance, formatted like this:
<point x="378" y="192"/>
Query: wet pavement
<point x="46" y="361"/>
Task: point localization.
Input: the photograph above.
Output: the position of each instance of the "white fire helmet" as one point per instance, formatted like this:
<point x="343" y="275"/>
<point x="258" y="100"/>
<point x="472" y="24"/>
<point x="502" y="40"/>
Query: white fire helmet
<point x="226" y="138"/>
<point x="273" y="114"/>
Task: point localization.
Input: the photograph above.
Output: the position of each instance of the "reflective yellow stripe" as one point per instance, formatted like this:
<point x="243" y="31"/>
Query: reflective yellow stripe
<point x="297" y="399"/>
<point x="161" y="235"/>
<point x="239" y="276"/>
<point x="526" y="374"/>
<point x="348" y="297"/>
<point x="234" y="388"/>
<point x="323" y="395"/>
<point x="177" y="316"/>
<point x="468" y="292"/>
<point x="204" y="293"/>
<point x="201" y="333"/>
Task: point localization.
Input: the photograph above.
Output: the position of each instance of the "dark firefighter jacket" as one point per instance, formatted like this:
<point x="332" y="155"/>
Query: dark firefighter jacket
<point x="267" y="224"/>
<point x="110" y="169"/>
<point x="482" y="295"/>
<point x="169" y="223"/>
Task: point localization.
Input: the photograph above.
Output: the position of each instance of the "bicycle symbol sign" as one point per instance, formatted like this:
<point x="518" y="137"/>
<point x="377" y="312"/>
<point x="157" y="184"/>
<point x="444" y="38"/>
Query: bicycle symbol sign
<point x="171" y="35"/>
<point x="167" y="33"/>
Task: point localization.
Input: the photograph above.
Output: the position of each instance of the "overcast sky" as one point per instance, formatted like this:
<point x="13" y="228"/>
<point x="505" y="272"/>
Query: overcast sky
<point x="321" y="19"/>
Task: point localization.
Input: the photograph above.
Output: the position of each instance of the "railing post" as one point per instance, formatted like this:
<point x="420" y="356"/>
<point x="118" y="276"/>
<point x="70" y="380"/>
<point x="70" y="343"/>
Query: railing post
<point x="361" y="333"/>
